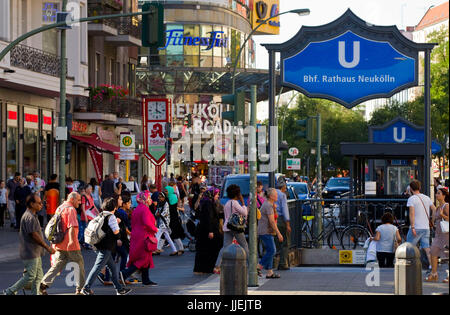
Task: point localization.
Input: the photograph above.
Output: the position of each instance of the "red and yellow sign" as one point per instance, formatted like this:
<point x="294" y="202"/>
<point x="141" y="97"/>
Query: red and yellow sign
<point x="262" y="10"/>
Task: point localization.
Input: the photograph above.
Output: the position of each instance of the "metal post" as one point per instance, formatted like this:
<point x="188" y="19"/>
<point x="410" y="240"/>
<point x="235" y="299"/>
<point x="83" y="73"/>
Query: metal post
<point x="408" y="270"/>
<point x="62" y="111"/>
<point x="273" y="134"/>
<point x="427" y="142"/>
<point x="253" y="238"/>
<point x="233" y="275"/>
<point x="319" y="175"/>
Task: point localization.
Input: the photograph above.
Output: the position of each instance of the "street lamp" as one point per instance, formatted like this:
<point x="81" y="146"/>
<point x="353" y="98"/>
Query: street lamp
<point x="300" y="12"/>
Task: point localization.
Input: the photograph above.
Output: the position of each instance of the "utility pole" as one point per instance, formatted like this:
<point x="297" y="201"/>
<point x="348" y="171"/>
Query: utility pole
<point x="62" y="111"/>
<point x="253" y="239"/>
<point x="319" y="175"/>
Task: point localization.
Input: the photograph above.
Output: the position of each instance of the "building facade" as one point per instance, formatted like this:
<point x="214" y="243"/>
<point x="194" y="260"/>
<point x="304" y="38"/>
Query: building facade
<point x="29" y="84"/>
<point x="195" y="66"/>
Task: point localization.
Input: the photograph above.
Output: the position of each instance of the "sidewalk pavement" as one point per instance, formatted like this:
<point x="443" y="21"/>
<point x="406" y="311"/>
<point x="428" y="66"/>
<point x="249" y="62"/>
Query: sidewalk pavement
<point x="296" y="281"/>
<point x="322" y="281"/>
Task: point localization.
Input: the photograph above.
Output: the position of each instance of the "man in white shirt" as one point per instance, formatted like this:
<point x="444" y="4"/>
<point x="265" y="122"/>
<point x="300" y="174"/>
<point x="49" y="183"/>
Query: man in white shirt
<point x="419" y="216"/>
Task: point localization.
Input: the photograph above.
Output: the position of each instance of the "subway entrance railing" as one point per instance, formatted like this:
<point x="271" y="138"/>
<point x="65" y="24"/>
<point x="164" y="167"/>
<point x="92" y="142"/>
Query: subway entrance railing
<point x="346" y="223"/>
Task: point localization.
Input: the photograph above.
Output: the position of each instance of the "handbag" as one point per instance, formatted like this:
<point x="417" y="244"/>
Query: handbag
<point x="151" y="244"/>
<point x="444" y="224"/>
<point x="236" y="222"/>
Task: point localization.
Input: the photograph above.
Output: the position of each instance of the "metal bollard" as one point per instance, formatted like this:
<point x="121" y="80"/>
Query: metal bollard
<point x="233" y="271"/>
<point x="408" y="270"/>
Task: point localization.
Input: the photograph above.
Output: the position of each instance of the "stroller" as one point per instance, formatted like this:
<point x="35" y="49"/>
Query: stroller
<point x="189" y="223"/>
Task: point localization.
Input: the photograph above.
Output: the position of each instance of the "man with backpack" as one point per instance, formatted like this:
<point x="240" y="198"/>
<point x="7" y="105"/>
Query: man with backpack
<point x="67" y="250"/>
<point x="32" y="246"/>
<point x="105" y="248"/>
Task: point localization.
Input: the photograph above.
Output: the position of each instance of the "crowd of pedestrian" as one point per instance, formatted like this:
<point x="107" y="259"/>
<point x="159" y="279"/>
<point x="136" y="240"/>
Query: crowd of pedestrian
<point x="181" y="210"/>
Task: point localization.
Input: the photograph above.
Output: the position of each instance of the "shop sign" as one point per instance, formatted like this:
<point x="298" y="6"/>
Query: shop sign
<point x="264" y="9"/>
<point x="12" y="115"/>
<point x="106" y="135"/>
<point x="31" y="118"/>
<point x="156" y="117"/>
<point x="293" y="151"/>
<point x="79" y="127"/>
<point x="176" y="38"/>
<point x="293" y="164"/>
<point x="47" y="120"/>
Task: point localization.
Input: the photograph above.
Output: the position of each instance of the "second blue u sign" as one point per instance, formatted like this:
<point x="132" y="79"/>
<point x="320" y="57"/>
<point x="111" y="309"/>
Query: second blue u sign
<point x="349" y="69"/>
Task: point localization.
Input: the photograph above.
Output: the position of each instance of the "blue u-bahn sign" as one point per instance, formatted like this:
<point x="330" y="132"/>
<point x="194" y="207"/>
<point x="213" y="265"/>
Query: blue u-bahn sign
<point x="349" y="68"/>
<point x="401" y="131"/>
<point x="348" y="61"/>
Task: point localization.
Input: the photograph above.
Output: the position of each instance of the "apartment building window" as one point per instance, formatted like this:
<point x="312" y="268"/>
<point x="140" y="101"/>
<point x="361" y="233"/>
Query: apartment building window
<point x="132" y="79"/>
<point x="118" y="73"/>
<point x="97" y="69"/>
<point x="111" y="76"/>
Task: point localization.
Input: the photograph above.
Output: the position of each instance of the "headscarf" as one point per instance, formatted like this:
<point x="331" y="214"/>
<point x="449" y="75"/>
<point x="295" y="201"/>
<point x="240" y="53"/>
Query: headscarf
<point x="173" y="199"/>
<point x="161" y="203"/>
<point x="143" y="196"/>
<point x="210" y="193"/>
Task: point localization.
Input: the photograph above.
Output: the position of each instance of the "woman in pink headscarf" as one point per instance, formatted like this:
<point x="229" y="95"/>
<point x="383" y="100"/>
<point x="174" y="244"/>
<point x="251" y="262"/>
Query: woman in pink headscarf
<point x="143" y="241"/>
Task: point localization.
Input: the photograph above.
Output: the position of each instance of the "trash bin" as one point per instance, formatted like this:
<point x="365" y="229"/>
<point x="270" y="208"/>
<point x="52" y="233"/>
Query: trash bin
<point x="408" y="270"/>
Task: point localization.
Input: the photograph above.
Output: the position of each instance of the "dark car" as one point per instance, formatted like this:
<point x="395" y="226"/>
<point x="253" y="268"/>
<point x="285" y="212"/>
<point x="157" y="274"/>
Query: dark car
<point x="336" y="187"/>
<point x="243" y="181"/>
<point x="302" y="192"/>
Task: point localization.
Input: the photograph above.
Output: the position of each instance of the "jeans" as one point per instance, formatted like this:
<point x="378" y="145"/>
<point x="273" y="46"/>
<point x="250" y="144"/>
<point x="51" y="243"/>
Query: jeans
<point x="104" y="258"/>
<point x="61" y="259"/>
<point x="168" y="239"/>
<point x="31" y="278"/>
<point x="228" y="239"/>
<point x="269" y="245"/>
<point x="12" y="211"/>
<point x="423" y="236"/>
<point x="81" y="227"/>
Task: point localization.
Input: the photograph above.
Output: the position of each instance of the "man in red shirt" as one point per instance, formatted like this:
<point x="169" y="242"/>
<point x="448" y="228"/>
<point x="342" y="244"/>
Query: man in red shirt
<point x="69" y="249"/>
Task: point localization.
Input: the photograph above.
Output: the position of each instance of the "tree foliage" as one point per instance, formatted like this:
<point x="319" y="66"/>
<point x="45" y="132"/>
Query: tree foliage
<point x="338" y="125"/>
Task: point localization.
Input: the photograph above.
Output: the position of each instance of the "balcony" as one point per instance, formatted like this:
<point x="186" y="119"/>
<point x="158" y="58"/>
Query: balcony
<point x="36" y="60"/>
<point x="106" y="27"/>
<point x="129" y="33"/>
<point x="126" y="111"/>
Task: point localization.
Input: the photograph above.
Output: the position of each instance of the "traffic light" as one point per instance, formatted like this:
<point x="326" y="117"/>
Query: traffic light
<point x="238" y="101"/>
<point x="153" y="28"/>
<point x="283" y="146"/>
<point x="310" y="132"/>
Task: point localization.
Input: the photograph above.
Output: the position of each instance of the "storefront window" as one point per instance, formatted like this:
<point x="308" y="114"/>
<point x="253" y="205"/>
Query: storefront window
<point x="175" y="52"/>
<point x="30" y="151"/>
<point x="227" y="50"/>
<point x="191" y="52"/>
<point x="217" y="51"/>
<point x="206" y="56"/>
<point x="11" y="151"/>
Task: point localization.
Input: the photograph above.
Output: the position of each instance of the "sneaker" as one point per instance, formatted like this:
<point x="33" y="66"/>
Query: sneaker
<point x="123" y="291"/>
<point x="135" y="281"/>
<point x="85" y="291"/>
<point x="43" y="289"/>
<point x="151" y="283"/>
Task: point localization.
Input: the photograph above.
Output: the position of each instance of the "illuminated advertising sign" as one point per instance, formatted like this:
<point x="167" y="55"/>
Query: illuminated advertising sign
<point x="262" y="10"/>
<point x="176" y="38"/>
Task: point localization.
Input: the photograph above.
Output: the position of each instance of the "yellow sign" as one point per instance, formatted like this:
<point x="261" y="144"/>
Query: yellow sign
<point x="345" y="257"/>
<point x="127" y="141"/>
<point x="264" y="9"/>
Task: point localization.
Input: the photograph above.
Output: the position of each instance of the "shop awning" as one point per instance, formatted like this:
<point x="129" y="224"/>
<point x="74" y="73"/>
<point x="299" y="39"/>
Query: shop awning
<point x="92" y="140"/>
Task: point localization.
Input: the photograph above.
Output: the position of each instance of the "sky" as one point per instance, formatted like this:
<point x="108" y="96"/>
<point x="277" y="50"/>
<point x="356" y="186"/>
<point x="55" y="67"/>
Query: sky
<point x="401" y="13"/>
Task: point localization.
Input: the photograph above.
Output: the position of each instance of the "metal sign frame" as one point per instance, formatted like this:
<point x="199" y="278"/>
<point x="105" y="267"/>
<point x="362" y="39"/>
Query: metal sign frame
<point x="350" y="22"/>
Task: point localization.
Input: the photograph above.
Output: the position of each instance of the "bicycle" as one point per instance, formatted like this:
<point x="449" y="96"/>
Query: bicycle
<point x="354" y="236"/>
<point x="332" y="235"/>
